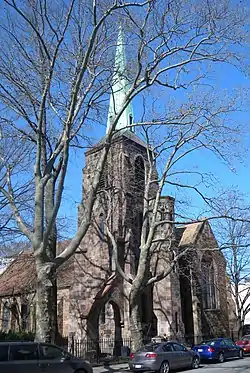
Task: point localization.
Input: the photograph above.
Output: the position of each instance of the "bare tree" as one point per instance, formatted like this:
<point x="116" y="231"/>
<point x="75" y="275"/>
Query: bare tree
<point x="17" y="155"/>
<point x="234" y="241"/>
<point x="56" y="70"/>
<point x="200" y="125"/>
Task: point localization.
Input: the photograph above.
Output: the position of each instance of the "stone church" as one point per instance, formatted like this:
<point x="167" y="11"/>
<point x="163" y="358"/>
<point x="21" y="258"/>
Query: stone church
<point x="192" y="300"/>
<point x="189" y="304"/>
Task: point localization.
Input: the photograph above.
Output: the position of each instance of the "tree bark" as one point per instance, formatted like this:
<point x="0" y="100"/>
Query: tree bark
<point x="240" y="327"/>
<point x="45" y="302"/>
<point x="135" y="321"/>
<point x="51" y="251"/>
<point x="54" y="331"/>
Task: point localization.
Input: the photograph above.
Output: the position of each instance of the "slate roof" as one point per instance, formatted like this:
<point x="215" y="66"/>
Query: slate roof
<point x="132" y="136"/>
<point x="187" y="234"/>
<point x="20" y="276"/>
<point x="122" y="133"/>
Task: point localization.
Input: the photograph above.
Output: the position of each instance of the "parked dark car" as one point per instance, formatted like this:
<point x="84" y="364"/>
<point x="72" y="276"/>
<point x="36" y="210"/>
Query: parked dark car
<point x="244" y="343"/>
<point x="163" y="357"/>
<point x="218" y="349"/>
<point x="31" y="357"/>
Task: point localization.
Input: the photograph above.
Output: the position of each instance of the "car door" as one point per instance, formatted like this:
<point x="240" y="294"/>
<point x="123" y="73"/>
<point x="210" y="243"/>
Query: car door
<point x="221" y="346"/>
<point x="53" y="359"/>
<point x="182" y="355"/>
<point x="23" y="358"/>
<point x="169" y="355"/>
<point x="232" y="348"/>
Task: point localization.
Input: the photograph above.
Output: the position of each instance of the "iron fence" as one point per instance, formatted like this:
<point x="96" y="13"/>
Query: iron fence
<point x="103" y="350"/>
<point x="106" y="350"/>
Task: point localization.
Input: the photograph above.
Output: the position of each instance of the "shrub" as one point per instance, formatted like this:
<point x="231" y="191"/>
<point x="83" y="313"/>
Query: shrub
<point x="16" y="336"/>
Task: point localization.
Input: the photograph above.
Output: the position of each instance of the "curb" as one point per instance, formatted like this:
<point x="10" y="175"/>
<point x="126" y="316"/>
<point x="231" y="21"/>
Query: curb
<point x="124" y="366"/>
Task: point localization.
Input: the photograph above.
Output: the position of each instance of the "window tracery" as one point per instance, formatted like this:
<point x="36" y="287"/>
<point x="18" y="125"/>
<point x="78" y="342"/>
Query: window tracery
<point x="208" y="283"/>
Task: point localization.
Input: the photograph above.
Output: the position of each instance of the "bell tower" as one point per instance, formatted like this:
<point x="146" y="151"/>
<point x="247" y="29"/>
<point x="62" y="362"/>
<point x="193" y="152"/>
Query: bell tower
<point x="118" y="208"/>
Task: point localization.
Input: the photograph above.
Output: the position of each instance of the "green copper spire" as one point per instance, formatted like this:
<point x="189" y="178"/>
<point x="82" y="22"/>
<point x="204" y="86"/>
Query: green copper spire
<point x="119" y="88"/>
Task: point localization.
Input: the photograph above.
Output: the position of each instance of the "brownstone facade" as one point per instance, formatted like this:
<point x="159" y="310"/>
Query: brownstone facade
<point x="17" y="294"/>
<point x="183" y="305"/>
<point x="93" y="300"/>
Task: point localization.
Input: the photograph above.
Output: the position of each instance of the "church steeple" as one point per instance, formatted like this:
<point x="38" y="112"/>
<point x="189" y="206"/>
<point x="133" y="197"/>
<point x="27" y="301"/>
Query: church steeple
<point x="119" y="88"/>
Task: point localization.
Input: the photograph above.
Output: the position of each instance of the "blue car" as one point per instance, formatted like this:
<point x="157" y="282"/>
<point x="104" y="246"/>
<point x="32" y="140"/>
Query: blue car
<point x="218" y="349"/>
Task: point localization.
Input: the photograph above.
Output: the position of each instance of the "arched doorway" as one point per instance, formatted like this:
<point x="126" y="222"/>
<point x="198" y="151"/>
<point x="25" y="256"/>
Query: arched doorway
<point x="104" y="335"/>
<point x="110" y="328"/>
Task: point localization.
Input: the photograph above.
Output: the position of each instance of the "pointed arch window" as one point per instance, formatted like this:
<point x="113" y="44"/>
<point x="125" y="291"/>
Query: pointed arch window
<point x="60" y="315"/>
<point x="103" y="315"/>
<point x="139" y="175"/>
<point x="208" y="283"/>
<point x="176" y="322"/>
<point x="6" y="316"/>
<point x="14" y="314"/>
<point x="103" y="183"/>
<point x="102" y="225"/>
<point x="173" y="256"/>
<point x="33" y="318"/>
<point x="24" y="315"/>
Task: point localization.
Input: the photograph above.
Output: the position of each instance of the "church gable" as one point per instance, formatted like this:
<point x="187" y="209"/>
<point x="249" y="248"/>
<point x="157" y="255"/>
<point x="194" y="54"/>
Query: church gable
<point x="198" y="234"/>
<point x="206" y="239"/>
<point x="189" y="234"/>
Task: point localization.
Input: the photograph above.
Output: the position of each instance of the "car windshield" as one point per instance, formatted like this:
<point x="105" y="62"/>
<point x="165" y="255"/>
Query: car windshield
<point x="212" y="342"/>
<point x="149" y="347"/>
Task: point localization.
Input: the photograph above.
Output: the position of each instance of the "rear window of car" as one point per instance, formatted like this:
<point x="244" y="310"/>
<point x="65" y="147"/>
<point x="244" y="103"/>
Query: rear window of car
<point x="212" y="343"/>
<point x="23" y="352"/>
<point x="4" y="352"/>
<point x="149" y="347"/>
<point x="178" y="347"/>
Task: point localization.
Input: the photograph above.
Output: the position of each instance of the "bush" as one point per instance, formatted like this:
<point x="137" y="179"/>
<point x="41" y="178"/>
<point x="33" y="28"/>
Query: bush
<point x="16" y="336"/>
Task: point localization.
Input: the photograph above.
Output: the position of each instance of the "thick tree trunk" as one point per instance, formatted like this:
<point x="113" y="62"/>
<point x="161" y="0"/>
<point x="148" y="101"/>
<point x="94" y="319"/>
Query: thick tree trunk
<point x="240" y="327"/>
<point x="135" y="321"/>
<point x="51" y="251"/>
<point x="54" y="332"/>
<point x="45" y="303"/>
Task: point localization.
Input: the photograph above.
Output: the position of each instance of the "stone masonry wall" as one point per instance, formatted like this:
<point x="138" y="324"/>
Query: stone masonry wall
<point x="215" y="321"/>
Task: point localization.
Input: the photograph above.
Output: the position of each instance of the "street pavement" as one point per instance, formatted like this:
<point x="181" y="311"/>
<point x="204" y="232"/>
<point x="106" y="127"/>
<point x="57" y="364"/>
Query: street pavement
<point x="231" y="366"/>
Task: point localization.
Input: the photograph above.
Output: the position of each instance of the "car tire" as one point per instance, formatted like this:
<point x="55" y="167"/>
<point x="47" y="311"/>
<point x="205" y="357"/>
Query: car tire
<point x="221" y="357"/>
<point x="195" y="363"/>
<point x="241" y="354"/>
<point x="164" y="367"/>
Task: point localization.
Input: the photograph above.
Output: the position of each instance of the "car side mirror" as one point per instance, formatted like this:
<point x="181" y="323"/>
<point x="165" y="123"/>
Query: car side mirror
<point x="65" y="357"/>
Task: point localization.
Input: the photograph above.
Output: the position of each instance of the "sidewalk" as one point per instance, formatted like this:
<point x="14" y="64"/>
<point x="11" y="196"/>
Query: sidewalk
<point x="112" y="368"/>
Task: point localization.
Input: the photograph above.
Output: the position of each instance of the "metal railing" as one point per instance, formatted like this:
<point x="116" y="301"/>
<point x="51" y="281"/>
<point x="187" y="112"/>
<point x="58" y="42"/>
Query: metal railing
<point x="102" y="350"/>
<point x="107" y="350"/>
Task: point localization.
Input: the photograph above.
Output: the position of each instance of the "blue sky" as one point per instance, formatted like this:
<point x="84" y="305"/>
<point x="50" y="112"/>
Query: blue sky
<point x="224" y="78"/>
